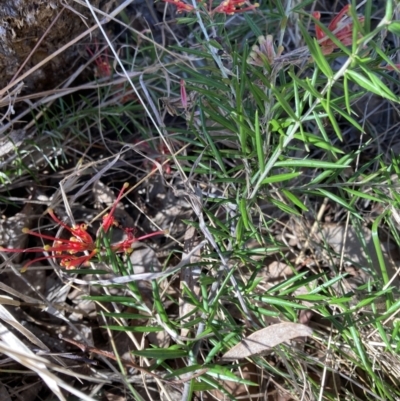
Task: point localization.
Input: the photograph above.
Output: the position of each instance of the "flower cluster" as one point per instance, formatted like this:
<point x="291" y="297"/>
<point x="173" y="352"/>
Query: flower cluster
<point x="180" y="6"/>
<point x="264" y="52"/>
<point x="228" y="7"/>
<point x="80" y="248"/>
<point x="341" y="27"/>
<point x="104" y="69"/>
<point x="231" y="7"/>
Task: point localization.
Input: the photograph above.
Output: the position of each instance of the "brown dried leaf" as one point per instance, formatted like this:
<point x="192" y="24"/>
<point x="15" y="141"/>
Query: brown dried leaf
<point x="161" y="339"/>
<point x="279" y="270"/>
<point x="262" y="341"/>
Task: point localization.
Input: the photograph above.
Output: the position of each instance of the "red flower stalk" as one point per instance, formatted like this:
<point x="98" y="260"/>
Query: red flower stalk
<point x="80" y="248"/>
<point x="103" y="69"/>
<point x="126" y="245"/>
<point x="183" y="94"/>
<point x="341" y="26"/>
<point x="108" y="219"/>
<point x="64" y="249"/>
<point x="180" y="6"/>
<point x="388" y="67"/>
<point x="231" y="7"/>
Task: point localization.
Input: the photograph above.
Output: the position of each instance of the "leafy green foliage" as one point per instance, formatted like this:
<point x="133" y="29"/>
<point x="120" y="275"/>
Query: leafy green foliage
<point x="271" y="146"/>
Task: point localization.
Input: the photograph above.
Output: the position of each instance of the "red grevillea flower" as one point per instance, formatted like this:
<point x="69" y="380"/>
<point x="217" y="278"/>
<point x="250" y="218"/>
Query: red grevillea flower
<point x="103" y="66"/>
<point x="80" y="248"/>
<point x="228" y="7"/>
<point x="341" y="26"/>
<point x="180" y="6"/>
<point x="231" y="7"/>
<point x="104" y="70"/>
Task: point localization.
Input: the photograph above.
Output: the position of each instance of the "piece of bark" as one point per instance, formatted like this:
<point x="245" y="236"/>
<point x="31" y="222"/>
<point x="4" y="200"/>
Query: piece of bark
<point x="23" y="25"/>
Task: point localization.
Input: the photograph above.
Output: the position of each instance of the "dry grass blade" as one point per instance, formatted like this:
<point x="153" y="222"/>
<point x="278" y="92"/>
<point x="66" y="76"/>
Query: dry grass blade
<point x="12" y="141"/>
<point x="4" y="287"/>
<point x="262" y="341"/>
<point x="6" y="316"/>
<point x="15" y="349"/>
<point x="4" y="300"/>
<point x="10" y="343"/>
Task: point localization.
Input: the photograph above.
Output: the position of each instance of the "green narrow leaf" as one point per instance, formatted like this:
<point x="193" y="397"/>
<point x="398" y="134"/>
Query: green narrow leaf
<point x="242" y="133"/>
<point x="295" y="200"/>
<point x="370" y="299"/>
<point x="350" y="119"/>
<point x="320" y="142"/>
<point x="367" y="16"/>
<point x="365" y="83"/>
<point x="359" y="346"/>
<point x="328" y="109"/>
<point x="135" y="329"/>
<point x="308" y="85"/>
<point x="284" y="207"/>
<point x="212" y="144"/>
<point x="316" y="52"/>
<point x="280" y="178"/>
<point x="259" y="143"/>
<point x="378" y="83"/>
<point x="219" y="346"/>
<point x="182" y="371"/>
<point x="389" y="10"/>
<point x="299" y="105"/>
<point x="284" y="104"/>
<point x="280" y="302"/>
<point x="158" y="304"/>
<point x="337" y="199"/>
<point x="243" y="213"/>
<point x="239" y="230"/>
<point x="293" y="283"/>
<point x="378" y="249"/>
<point x="253" y="26"/>
<point x="161" y="353"/>
<point x="311" y="163"/>
<point x="363" y="195"/>
<point x="394" y="27"/>
<point x="223" y="373"/>
<point x="125" y="315"/>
